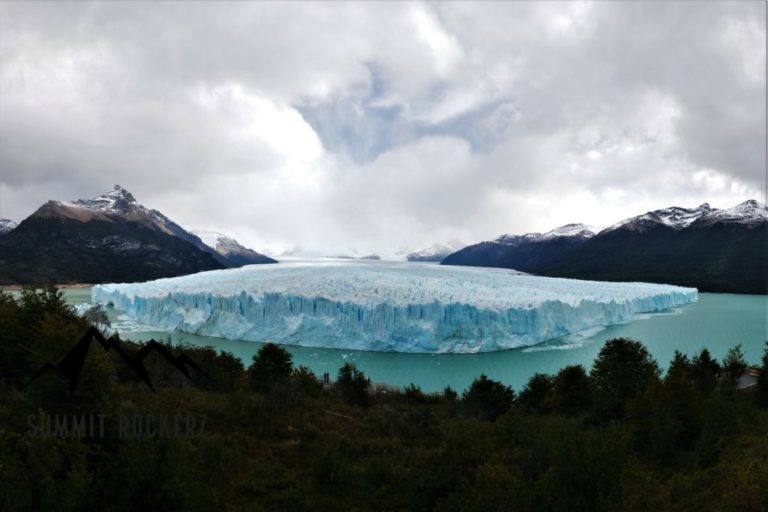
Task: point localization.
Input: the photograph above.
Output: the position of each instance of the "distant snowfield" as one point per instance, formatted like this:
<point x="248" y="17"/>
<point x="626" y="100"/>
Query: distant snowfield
<point x="385" y="306"/>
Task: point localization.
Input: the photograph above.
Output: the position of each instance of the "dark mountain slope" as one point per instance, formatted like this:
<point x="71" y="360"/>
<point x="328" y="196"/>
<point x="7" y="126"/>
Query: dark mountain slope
<point x="526" y="257"/>
<point x="710" y="249"/>
<point x="721" y="257"/>
<point x="108" y="239"/>
<point x="528" y="253"/>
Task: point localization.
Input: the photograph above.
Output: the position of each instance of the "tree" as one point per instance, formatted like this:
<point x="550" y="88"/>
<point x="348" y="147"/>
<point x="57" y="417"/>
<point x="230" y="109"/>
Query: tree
<point x="623" y="369"/>
<point x="535" y="396"/>
<point x="414" y="393"/>
<point x="97" y="382"/>
<point x="98" y="317"/>
<point x="35" y="303"/>
<point x="226" y="371"/>
<point x="37" y="328"/>
<point x="571" y="391"/>
<point x="679" y="368"/>
<point x="271" y="365"/>
<point x="488" y="399"/>
<point x="734" y="364"/>
<point x="15" y="358"/>
<point x="666" y="418"/>
<point x="705" y="371"/>
<point x="353" y="385"/>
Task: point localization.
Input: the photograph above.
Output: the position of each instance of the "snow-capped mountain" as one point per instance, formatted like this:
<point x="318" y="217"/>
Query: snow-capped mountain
<point x="230" y="249"/>
<point x="117" y="199"/>
<point x="526" y="253"/>
<point x="6" y="225"/>
<point x="579" y="231"/>
<point x="435" y="252"/>
<point x="108" y="238"/>
<point x="705" y="247"/>
<point x="748" y="213"/>
<point x="120" y="202"/>
<point x="570" y="231"/>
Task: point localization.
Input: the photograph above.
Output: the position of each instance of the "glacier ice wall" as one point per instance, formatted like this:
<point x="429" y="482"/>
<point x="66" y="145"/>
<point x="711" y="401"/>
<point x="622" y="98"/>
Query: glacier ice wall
<point x="399" y="307"/>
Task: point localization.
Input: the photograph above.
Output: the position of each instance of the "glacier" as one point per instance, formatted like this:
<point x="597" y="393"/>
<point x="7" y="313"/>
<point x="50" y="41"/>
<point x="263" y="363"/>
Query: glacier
<point x="385" y="306"/>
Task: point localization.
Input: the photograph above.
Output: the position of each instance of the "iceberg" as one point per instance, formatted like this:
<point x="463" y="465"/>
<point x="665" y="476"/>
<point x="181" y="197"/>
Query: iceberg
<point x="385" y="306"/>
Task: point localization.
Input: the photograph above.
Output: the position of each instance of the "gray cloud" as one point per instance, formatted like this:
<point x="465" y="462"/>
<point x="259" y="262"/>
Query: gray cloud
<point x="383" y="126"/>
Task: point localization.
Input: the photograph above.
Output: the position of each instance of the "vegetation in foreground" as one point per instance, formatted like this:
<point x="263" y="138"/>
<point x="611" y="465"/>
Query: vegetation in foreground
<point x="619" y="436"/>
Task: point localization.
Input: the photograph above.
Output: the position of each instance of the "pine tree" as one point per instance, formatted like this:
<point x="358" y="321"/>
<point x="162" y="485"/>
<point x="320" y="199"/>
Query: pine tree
<point x="680" y="367"/>
<point x="271" y="365"/>
<point x="734" y="364"/>
<point x="353" y="385"/>
<point x="623" y="369"/>
<point x="536" y="395"/>
<point x="572" y="391"/>
<point x="706" y="370"/>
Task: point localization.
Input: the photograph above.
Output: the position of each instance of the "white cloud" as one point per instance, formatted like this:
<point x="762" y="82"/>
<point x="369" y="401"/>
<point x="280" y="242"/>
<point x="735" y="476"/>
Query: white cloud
<point x="447" y="120"/>
<point x="445" y="48"/>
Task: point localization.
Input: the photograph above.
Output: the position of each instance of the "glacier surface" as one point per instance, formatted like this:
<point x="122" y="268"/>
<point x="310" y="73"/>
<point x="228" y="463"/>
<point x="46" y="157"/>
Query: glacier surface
<point x="385" y="306"/>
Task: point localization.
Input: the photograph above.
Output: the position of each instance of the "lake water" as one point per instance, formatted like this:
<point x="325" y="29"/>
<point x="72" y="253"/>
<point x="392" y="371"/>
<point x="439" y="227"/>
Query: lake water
<point x="717" y="322"/>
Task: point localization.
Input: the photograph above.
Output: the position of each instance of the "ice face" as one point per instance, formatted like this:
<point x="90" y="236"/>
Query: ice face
<point x="385" y="306"/>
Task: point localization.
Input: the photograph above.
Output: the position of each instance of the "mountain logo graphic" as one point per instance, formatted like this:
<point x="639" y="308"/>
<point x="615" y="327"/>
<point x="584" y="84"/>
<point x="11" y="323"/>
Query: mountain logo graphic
<point x="71" y="366"/>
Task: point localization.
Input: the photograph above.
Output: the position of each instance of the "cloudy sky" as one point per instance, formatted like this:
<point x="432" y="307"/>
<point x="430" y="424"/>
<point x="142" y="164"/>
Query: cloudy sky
<point x="381" y="127"/>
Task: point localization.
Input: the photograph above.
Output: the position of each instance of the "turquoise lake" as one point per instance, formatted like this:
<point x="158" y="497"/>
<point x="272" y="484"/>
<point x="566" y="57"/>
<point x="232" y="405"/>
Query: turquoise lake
<point x="716" y="321"/>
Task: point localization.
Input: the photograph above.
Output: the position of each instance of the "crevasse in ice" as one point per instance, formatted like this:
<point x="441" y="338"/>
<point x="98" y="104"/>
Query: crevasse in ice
<point x="397" y="307"/>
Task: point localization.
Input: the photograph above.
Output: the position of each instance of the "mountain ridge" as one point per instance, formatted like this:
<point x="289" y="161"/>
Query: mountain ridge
<point x="435" y="252"/>
<point x="110" y="238"/>
<point x="709" y="248"/>
<point x="230" y="249"/>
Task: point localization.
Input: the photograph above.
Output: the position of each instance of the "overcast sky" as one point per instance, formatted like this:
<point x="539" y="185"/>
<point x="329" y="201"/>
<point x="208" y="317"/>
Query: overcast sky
<point x="380" y="127"/>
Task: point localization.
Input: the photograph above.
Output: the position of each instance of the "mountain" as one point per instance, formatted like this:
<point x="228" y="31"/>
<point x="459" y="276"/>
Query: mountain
<point x="528" y="253"/>
<point x="234" y="254"/>
<point x="111" y="238"/>
<point x="6" y="225"/>
<point x="675" y="218"/>
<point x="711" y="249"/>
<point x="370" y="257"/>
<point x="435" y="252"/>
<point x="708" y="248"/>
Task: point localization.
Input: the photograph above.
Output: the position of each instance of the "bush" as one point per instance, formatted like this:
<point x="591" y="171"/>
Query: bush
<point x="306" y="381"/>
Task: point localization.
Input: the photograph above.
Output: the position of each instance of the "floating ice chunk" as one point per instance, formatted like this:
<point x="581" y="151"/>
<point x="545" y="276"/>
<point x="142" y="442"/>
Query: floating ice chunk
<point x="385" y="306"/>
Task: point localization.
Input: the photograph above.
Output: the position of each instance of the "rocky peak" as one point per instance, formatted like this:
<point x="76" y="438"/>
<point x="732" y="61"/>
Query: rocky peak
<point x="117" y="199"/>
